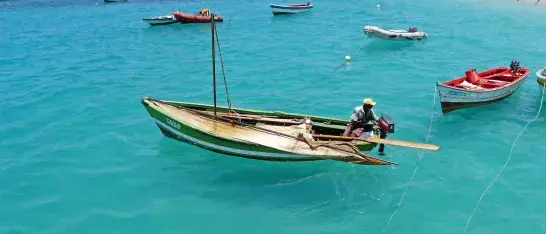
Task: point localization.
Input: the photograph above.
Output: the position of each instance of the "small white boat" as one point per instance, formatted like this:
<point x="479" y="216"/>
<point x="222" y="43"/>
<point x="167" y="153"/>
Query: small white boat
<point x="161" y="20"/>
<point x="290" y="8"/>
<point x="541" y="76"/>
<point x="393" y="34"/>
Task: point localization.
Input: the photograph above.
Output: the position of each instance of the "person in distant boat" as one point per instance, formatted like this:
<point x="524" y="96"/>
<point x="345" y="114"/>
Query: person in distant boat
<point x="361" y="118"/>
<point x="514" y="66"/>
<point x="412" y="29"/>
<point x="204" y="12"/>
<point x="308" y="3"/>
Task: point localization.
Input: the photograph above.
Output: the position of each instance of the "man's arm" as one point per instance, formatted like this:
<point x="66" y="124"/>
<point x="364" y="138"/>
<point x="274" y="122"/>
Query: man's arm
<point x="375" y="118"/>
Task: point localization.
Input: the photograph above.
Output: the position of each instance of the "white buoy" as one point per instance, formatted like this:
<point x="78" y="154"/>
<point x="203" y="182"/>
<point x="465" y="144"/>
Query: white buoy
<point x="347" y="60"/>
<point x="378" y="6"/>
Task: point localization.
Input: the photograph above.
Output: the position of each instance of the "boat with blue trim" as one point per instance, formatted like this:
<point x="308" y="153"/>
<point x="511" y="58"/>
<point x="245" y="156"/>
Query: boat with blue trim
<point x="279" y="9"/>
<point x="161" y="20"/>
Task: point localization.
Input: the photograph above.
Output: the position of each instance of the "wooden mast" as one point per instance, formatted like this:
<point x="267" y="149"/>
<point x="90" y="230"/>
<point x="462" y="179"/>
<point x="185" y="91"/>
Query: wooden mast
<point x="212" y="29"/>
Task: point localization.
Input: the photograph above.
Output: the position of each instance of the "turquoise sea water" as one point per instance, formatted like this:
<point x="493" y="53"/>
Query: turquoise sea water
<point x="79" y="153"/>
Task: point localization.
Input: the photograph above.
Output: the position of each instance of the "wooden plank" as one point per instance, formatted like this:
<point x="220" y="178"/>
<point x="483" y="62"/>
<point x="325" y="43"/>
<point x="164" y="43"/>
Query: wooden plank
<point x="383" y="141"/>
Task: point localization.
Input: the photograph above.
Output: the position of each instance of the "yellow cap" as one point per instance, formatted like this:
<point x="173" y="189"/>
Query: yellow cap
<point x="368" y="101"/>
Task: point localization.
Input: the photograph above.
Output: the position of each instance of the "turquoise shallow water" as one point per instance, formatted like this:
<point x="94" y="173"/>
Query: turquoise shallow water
<point x="79" y="154"/>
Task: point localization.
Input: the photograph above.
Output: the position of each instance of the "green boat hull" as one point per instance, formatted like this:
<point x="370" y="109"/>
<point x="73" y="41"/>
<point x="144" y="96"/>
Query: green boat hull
<point x="176" y="129"/>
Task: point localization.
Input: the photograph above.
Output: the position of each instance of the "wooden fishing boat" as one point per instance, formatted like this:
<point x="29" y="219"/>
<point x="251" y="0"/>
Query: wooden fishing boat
<point x="266" y="135"/>
<point x="475" y="89"/>
<point x="258" y="137"/>
<point x="541" y="77"/>
<point x="279" y="9"/>
<point x="188" y="18"/>
<point x="161" y="20"/>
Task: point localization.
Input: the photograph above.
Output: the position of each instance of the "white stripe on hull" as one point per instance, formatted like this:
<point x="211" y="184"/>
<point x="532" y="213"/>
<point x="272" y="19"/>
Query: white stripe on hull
<point x="159" y="20"/>
<point x="289" y="11"/>
<point x="450" y="94"/>
<point x="231" y="150"/>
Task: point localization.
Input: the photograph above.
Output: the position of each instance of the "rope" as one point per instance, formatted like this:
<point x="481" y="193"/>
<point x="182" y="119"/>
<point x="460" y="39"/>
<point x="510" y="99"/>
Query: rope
<point x="416" y="166"/>
<point x="506" y="163"/>
<point x="235" y="112"/>
<point x="223" y="70"/>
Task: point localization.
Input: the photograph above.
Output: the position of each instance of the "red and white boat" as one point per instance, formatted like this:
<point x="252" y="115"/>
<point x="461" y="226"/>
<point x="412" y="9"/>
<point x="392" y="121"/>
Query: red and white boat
<point x="188" y="18"/>
<point x="480" y="88"/>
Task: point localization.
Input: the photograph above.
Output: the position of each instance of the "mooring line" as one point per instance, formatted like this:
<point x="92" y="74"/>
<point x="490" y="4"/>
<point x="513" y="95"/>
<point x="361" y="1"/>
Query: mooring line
<point x="506" y="163"/>
<point x="416" y="166"/>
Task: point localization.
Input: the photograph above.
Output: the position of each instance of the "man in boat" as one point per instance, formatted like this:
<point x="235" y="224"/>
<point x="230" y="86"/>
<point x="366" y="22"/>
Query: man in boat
<point x="360" y="126"/>
<point x="412" y="29"/>
<point x="514" y="66"/>
<point x="361" y="118"/>
<point x="204" y="12"/>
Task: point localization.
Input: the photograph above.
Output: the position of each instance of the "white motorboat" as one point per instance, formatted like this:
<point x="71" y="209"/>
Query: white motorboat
<point x="394" y="34"/>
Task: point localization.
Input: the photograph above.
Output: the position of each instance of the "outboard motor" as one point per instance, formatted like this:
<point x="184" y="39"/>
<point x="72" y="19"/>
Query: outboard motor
<point x="514" y="65"/>
<point x="386" y="125"/>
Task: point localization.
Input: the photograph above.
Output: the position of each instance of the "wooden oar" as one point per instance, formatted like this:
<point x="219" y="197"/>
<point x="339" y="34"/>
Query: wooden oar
<point x="383" y="141"/>
<point x="368" y="139"/>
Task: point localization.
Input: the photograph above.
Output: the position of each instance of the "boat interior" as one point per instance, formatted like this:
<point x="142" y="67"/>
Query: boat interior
<point x="315" y="125"/>
<point x="490" y="79"/>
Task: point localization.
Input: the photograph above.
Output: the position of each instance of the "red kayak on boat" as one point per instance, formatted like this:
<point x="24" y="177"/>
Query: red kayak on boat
<point x="188" y="18"/>
<point x="480" y="88"/>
